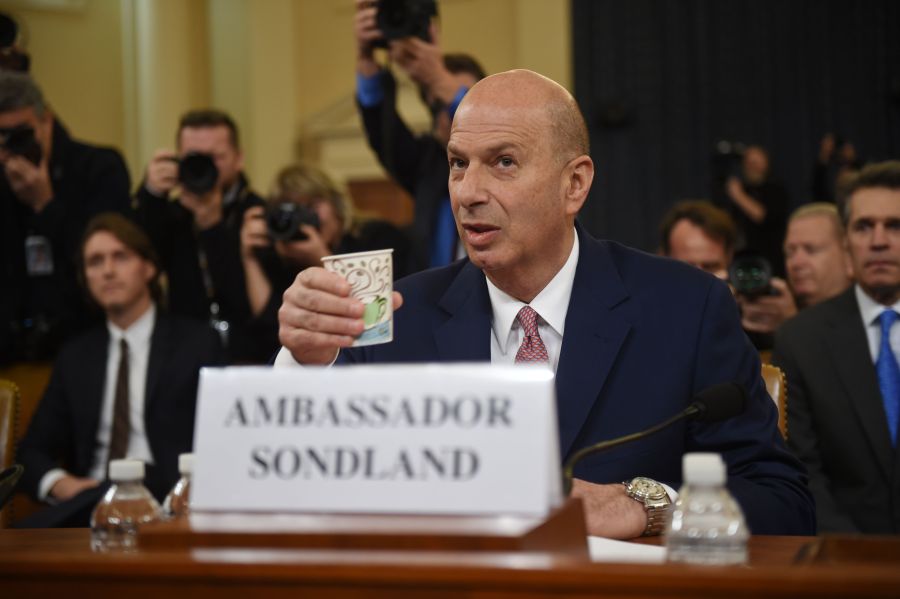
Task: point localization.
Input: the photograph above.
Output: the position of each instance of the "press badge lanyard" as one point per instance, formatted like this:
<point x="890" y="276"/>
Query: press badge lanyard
<point x="221" y="326"/>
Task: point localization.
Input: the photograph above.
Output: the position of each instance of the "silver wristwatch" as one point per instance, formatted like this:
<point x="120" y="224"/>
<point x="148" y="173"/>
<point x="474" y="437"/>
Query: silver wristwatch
<point x="652" y="495"/>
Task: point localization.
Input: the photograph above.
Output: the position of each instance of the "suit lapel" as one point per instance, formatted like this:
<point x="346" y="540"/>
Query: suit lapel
<point x="466" y="335"/>
<point x="160" y="349"/>
<point x="593" y="337"/>
<point x="89" y="395"/>
<point x="849" y="347"/>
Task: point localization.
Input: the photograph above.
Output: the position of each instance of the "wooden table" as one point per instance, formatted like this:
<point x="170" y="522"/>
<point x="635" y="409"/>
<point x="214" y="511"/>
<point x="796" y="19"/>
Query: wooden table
<point x="50" y="563"/>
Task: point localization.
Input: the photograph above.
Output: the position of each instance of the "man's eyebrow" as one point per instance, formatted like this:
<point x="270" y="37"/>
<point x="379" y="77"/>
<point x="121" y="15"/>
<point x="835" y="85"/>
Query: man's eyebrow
<point x="498" y="148"/>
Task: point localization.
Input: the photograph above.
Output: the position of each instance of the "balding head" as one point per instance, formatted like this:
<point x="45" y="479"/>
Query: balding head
<point x="550" y="105"/>
<point x="519" y="174"/>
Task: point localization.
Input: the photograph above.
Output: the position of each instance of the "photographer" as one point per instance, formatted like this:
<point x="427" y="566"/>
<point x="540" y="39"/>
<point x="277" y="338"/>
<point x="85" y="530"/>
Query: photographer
<point x="50" y="186"/>
<point x="192" y="204"/>
<point x="759" y="206"/>
<point x="306" y="219"/>
<point x="418" y="163"/>
<point x="818" y="268"/>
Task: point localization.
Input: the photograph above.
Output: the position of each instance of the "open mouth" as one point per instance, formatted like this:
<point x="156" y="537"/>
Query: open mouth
<point x="478" y="234"/>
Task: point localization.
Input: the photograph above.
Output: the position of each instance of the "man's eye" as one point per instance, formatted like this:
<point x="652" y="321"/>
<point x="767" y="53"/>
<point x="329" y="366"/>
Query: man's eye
<point x="457" y="163"/>
<point x="505" y="161"/>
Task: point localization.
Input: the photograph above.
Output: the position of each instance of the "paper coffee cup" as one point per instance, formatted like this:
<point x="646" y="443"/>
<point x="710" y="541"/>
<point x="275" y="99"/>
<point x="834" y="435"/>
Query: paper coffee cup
<point x="371" y="278"/>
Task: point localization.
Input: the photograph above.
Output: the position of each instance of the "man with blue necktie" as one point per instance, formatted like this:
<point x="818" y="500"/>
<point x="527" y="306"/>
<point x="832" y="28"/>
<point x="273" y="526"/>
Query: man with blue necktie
<point x="840" y="358"/>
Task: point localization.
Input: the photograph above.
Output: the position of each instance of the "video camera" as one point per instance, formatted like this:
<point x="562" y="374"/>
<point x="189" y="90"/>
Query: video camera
<point x="404" y="18"/>
<point x="750" y="274"/>
<point x="726" y="162"/>
<point x="21" y="142"/>
<point x="283" y="221"/>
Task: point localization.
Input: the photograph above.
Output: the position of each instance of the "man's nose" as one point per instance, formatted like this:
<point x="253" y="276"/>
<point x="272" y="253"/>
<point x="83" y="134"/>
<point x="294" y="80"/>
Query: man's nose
<point x="879" y="236"/>
<point x="469" y="190"/>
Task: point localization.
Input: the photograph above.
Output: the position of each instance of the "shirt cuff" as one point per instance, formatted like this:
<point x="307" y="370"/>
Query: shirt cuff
<point x="368" y="90"/>
<point x="454" y="103"/>
<point x="672" y="493"/>
<point x="285" y="359"/>
<point x="47" y="482"/>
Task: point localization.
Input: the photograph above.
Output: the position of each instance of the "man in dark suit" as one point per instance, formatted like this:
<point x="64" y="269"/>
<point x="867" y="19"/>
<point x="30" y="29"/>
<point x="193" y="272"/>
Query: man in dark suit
<point x="631" y="337"/>
<point x="124" y="389"/>
<point x="840" y="360"/>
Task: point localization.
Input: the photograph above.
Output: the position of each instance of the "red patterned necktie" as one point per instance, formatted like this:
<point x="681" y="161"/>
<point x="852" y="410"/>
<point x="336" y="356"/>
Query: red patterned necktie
<point x="532" y="348"/>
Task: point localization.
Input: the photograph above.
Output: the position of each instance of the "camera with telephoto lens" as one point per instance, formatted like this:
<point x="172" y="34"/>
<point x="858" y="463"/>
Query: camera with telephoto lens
<point x="197" y="172"/>
<point x="404" y="18"/>
<point x="750" y="274"/>
<point x="283" y="221"/>
<point x="21" y="142"/>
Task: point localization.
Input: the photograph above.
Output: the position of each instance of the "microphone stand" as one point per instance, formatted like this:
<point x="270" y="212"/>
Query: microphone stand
<point x="694" y="409"/>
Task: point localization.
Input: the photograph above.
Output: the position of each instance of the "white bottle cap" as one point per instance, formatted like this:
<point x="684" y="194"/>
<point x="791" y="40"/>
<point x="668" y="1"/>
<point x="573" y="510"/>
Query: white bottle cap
<point x="186" y="463"/>
<point x="126" y="470"/>
<point x="703" y="469"/>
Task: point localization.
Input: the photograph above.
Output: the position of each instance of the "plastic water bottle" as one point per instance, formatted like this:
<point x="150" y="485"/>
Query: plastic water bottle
<point x="707" y="525"/>
<point x="125" y="507"/>
<point x="177" y="503"/>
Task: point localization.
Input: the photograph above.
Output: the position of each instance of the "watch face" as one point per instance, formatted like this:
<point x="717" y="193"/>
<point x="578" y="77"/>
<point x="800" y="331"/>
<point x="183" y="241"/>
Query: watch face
<point x="646" y="488"/>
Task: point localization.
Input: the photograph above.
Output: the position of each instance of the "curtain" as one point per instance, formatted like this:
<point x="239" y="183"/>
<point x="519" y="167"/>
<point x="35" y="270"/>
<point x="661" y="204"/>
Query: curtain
<point x="662" y="81"/>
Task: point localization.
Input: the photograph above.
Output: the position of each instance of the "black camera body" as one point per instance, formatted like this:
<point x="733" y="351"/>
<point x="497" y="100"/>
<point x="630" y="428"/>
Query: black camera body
<point x="283" y="221"/>
<point x="726" y="162"/>
<point x="21" y="142"/>
<point x="750" y="274"/>
<point x="197" y="172"/>
<point x="404" y="18"/>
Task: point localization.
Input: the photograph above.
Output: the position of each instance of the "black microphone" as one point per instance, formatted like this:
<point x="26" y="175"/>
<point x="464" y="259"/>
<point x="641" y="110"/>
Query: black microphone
<point x="713" y="404"/>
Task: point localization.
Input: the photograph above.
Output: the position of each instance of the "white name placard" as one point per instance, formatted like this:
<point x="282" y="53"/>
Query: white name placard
<point x="421" y="439"/>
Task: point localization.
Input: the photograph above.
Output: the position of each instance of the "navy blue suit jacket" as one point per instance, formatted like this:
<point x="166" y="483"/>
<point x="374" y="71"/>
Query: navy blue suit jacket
<point x="643" y="335"/>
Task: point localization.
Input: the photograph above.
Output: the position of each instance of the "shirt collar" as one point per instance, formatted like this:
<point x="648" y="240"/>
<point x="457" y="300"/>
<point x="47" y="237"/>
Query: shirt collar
<point x="138" y="334"/>
<point x="869" y="309"/>
<point x="552" y="303"/>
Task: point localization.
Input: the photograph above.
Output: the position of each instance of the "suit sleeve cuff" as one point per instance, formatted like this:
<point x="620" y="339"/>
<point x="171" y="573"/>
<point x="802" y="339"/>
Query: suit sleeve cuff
<point x="47" y="482"/>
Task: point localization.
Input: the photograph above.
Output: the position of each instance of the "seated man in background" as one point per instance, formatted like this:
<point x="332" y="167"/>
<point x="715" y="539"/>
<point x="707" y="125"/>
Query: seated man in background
<point x="126" y="388"/>
<point x="306" y="219"/>
<point x="192" y="205"/>
<point x="50" y="186"/>
<point x="817" y="264"/>
<point x="631" y="337"/>
<point x="418" y="163"/>
<point x="840" y="359"/>
<point x="696" y="232"/>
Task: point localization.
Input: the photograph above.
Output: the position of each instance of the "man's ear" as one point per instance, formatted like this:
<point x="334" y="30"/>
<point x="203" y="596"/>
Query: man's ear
<point x="578" y="176"/>
<point x="149" y="271"/>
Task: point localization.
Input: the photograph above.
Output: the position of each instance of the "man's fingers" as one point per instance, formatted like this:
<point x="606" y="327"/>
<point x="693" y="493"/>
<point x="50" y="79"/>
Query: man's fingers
<point x="322" y="280"/>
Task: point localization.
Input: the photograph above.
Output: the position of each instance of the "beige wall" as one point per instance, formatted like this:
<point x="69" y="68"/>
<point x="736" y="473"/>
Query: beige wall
<point x="76" y="57"/>
<point x="120" y="72"/>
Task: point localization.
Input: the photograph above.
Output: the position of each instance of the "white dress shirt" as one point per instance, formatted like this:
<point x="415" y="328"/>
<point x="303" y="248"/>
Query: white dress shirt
<point x="138" y="338"/>
<point x="870" y="311"/>
<point x="551" y="304"/>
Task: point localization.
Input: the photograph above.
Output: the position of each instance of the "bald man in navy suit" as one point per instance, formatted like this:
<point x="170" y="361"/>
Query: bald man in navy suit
<point x="631" y="337"/>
